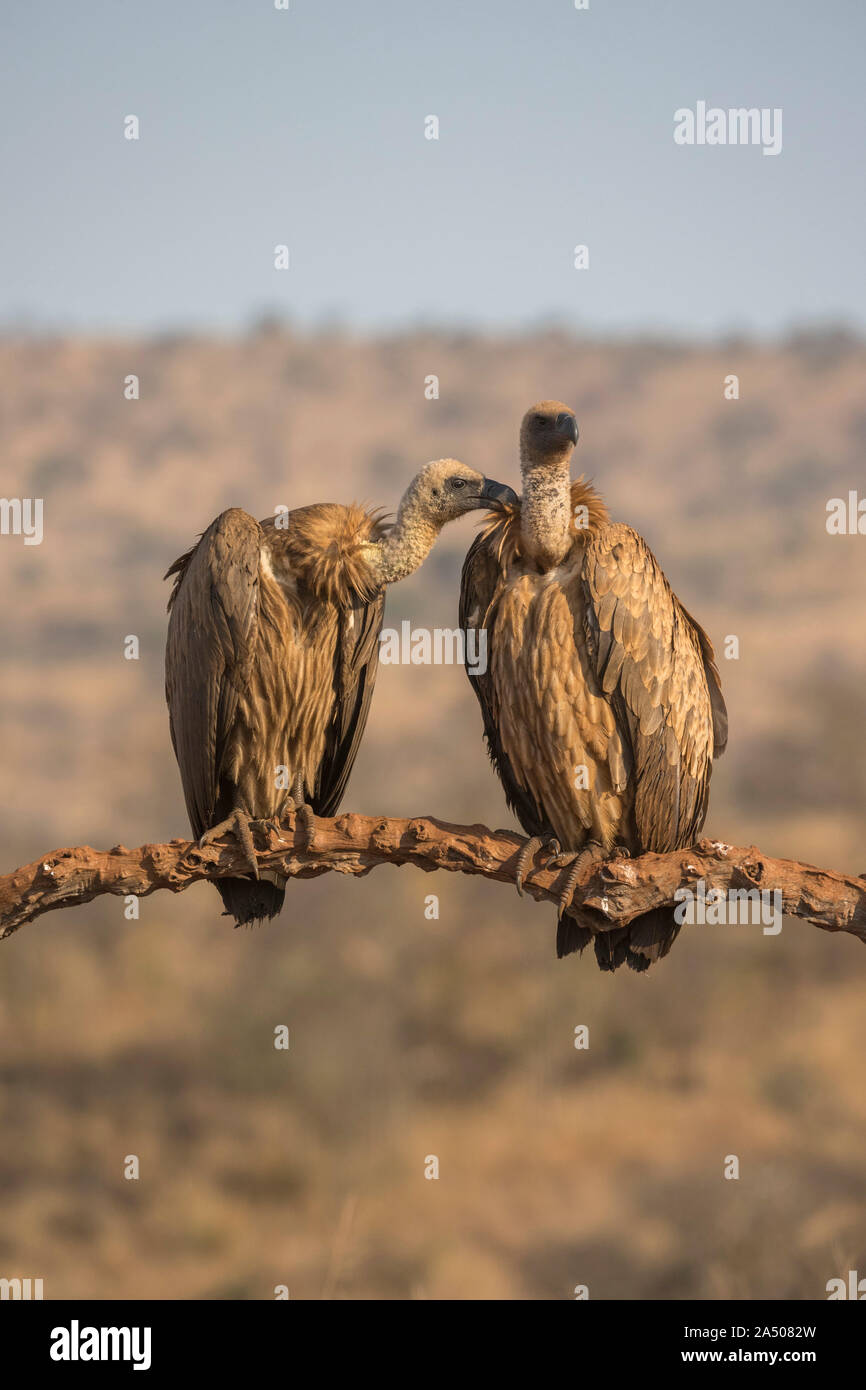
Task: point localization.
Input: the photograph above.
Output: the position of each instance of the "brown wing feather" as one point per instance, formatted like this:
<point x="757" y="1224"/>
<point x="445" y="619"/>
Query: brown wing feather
<point x="355" y="669"/>
<point x="210" y="648"/>
<point x="480" y="585"/>
<point x="322" y="546"/>
<point x="714" y="685"/>
<point x="656" y="664"/>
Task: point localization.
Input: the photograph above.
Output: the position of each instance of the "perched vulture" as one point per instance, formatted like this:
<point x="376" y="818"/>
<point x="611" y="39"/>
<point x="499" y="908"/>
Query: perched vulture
<point x="272" y="656"/>
<point x="601" y="699"/>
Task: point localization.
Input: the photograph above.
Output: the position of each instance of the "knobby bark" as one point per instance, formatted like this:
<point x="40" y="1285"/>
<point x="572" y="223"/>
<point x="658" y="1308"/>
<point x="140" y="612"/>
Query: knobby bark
<point x="614" y="892"/>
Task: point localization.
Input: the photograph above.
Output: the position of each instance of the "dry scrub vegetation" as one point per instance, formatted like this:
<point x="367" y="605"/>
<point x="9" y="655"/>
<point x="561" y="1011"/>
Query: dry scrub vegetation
<point x="409" y="1036"/>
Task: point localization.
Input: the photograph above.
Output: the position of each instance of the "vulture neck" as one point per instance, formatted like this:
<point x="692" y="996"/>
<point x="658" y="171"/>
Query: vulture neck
<point x="545" y="510"/>
<point x="406" y="546"/>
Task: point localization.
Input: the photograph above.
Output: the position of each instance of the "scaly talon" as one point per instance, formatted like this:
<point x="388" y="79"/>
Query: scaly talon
<point x="592" y="853"/>
<point x="307" y="822"/>
<point x="304" y="814"/>
<point x="528" y="853"/>
<point x="237" y="824"/>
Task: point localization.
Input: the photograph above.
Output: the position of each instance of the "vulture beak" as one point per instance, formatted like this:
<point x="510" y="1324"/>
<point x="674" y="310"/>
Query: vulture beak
<point x="566" y="425"/>
<point x="497" y="494"/>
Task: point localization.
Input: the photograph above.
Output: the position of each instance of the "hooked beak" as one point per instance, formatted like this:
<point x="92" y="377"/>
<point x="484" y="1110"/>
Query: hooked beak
<point x="497" y="494"/>
<point x="566" y="424"/>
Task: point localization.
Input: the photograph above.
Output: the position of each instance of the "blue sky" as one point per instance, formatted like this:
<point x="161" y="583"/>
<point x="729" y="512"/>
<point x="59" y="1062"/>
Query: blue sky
<point x="306" y="127"/>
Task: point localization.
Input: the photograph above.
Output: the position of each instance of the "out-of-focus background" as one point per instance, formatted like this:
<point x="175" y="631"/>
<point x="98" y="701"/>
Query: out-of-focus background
<point x="413" y="1037"/>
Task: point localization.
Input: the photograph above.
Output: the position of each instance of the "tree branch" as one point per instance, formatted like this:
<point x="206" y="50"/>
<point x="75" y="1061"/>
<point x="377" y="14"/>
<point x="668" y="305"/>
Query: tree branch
<point x="614" y="893"/>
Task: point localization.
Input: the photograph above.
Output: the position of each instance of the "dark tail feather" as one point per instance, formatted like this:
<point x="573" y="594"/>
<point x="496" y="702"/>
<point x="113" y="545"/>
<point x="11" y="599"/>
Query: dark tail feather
<point x="640" y="944"/>
<point x="611" y="948"/>
<point x="651" y="937"/>
<point x="571" y="935"/>
<point x="250" y="900"/>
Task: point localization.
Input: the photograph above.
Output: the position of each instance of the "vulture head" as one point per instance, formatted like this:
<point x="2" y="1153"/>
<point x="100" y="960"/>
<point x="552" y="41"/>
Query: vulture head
<point x="447" y="489"/>
<point x="439" y="493"/>
<point x="548" y="434"/>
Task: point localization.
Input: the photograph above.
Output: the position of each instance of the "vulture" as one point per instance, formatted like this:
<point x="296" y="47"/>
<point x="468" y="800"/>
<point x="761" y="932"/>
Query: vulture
<point x="272" y="652"/>
<point x="601" y="700"/>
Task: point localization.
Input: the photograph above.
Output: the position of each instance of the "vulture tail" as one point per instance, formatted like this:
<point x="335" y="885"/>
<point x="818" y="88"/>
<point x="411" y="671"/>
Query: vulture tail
<point x="571" y="935"/>
<point x="250" y="900"/>
<point x="651" y="937"/>
<point x="611" y="948"/>
<point x="640" y="944"/>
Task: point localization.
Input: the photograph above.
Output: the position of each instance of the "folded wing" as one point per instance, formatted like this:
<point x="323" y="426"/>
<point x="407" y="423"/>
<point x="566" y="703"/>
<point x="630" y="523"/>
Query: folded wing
<point x="210" y="650"/>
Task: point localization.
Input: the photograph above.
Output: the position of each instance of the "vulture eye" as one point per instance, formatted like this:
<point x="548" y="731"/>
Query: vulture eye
<point x="458" y="482"/>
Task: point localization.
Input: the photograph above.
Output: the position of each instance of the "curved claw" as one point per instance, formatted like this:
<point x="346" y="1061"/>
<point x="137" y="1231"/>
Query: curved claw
<point x="564" y="899"/>
<point x="591" y="853"/>
<point x="307" y="822"/>
<point x="237" y="824"/>
<point x="305" y="816"/>
<point x="528" y="853"/>
<point x="524" y="859"/>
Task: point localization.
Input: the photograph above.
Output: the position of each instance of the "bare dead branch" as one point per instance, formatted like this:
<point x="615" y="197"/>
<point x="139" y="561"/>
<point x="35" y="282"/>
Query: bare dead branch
<point x="614" y="892"/>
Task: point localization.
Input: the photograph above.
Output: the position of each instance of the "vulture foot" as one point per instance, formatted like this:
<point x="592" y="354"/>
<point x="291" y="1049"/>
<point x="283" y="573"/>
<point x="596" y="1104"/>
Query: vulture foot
<point x="307" y="822"/>
<point x="528" y="853"/>
<point x="237" y="824"/>
<point x="304" y="815"/>
<point x="588" y="857"/>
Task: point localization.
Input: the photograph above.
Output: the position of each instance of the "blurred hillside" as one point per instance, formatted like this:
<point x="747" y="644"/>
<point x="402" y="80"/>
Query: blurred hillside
<point x="412" y="1037"/>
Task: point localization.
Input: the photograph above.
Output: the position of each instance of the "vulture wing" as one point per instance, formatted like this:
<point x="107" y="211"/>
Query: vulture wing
<point x="656" y="665"/>
<point x="210" y="649"/>
<point x="355" y="668"/>
<point x="480" y="584"/>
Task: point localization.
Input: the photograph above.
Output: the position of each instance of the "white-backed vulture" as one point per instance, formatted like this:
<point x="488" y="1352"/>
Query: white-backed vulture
<point x="601" y="700"/>
<point x="272" y="656"/>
